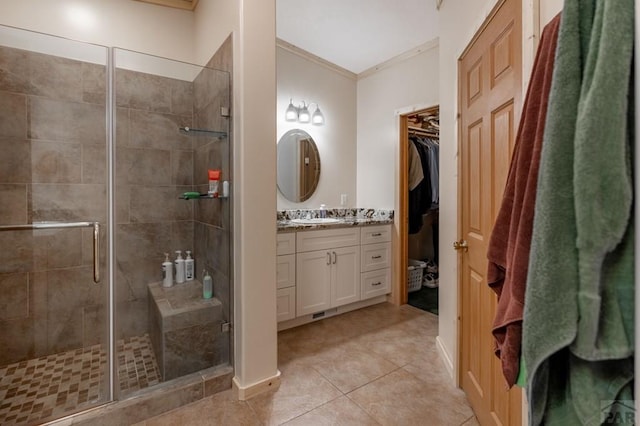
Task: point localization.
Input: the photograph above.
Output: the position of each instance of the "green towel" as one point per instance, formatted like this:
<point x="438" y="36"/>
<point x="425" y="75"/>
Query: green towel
<point x="578" y="318"/>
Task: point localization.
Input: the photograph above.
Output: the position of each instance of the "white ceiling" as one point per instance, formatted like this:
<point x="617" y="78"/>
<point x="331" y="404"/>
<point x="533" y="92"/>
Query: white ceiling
<point x="356" y="34"/>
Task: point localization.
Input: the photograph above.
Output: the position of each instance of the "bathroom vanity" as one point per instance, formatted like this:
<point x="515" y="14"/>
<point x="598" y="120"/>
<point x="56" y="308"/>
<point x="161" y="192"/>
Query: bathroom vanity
<point x="327" y="267"/>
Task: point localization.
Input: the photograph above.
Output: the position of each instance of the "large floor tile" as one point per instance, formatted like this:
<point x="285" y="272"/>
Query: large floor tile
<point x="219" y="409"/>
<point x="471" y="422"/>
<point x="398" y="345"/>
<point x="301" y="390"/>
<point x="341" y="411"/>
<point x="399" y="398"/>
<point x="356" y="366"/>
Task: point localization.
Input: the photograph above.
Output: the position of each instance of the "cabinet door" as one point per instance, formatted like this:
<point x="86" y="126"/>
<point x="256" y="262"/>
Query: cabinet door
<point x="286" y="304"/>
<point x="313" y="282"/>
<point x="286" y="271"/>
<point x="345" y="275"/>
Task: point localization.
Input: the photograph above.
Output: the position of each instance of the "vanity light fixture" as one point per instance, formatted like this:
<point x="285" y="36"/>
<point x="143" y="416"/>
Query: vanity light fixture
<point x="301" y="114"/>
<point x="292" y="112"/>
<point x="317" y="118"/>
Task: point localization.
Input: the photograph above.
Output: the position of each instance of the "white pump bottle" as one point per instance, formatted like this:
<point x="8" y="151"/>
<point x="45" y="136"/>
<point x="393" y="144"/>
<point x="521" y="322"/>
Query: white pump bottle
<point x="179" y="267"/>
<point x="189" y="267"/>
<point x="167" y="271"/>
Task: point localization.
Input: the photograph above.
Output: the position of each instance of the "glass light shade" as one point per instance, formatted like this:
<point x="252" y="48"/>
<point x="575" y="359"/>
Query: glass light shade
<point x="303" y="115"/>
<point x="317" y="118"/>
<point x="292" y="113"/>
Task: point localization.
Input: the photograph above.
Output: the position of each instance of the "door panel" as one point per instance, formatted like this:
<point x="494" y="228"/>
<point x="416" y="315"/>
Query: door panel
<point x="313" y="282"/>
<point x="346" y="276"/>
<point x="490" y="84"/>
<point x="54" y="280"/>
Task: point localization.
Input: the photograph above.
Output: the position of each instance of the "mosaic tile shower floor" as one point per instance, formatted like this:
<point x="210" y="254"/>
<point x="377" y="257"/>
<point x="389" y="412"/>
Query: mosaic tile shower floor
<point x="52" y="386"/>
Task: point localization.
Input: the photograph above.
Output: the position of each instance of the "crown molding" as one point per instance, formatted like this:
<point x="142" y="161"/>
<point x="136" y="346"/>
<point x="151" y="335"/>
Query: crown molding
<point x="432" y="44"/>
<point x="178" y="4"/>
<point x="316" y="59"/>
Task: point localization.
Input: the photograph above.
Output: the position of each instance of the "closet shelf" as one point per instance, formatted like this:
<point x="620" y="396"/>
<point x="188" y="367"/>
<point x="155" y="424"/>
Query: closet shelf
<point x="422" y="131"/>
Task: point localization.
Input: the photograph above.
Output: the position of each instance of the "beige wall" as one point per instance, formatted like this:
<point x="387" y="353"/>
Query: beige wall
<point x="120" y="23"/>
<point x="303" y="79"/>
<point x="407" y="84"/>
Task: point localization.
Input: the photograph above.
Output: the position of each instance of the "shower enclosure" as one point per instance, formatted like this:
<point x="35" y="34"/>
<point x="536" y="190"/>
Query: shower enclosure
<point x="94" y="161"/>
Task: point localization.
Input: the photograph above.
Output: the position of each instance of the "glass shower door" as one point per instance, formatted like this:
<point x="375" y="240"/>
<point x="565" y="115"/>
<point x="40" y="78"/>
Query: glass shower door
<point x="54" y="285"/>
<point x="171" y="128"/>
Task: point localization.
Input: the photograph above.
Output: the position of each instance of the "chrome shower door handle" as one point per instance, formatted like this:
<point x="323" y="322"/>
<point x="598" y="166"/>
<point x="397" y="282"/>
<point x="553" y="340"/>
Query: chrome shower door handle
<point x="96" y="252"/>
<point x="65" y="225"/>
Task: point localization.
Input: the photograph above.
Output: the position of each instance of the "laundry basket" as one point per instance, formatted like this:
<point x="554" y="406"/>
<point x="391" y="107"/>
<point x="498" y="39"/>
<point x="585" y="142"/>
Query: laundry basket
<point x="414" y="277"/>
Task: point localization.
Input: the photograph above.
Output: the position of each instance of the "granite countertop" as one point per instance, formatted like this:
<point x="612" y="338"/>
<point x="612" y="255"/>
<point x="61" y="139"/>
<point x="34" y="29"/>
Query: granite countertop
<point x="346" y="218"/>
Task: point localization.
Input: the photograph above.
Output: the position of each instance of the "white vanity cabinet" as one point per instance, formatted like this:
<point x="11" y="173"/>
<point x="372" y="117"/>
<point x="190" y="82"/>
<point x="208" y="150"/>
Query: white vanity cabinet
<point x="327" y="269"/>
<point x="376" y="261"/>
<point x="286" y="276"/>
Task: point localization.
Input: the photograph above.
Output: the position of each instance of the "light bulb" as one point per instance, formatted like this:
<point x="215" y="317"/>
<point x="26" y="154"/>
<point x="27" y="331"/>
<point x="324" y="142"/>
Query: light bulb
<point x="303" y="115"/>
<point x="317" y="118"/>
<point x="292" y="112"/>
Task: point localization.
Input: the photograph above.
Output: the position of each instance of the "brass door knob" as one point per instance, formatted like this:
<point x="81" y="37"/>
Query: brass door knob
<point x="460" y="245"/>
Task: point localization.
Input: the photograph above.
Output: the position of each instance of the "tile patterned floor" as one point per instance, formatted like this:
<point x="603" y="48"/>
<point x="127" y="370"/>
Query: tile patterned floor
<point x="56" y="385"/>
<point x="137" y="366"/>
<point x="374" y="366"/>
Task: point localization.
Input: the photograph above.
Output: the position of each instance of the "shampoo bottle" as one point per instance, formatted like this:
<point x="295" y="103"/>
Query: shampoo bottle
<point x="189" y="267"/>
<point x="207" y="285"/>
<point x="179" y="267"/>
<point x="167" y="271"/>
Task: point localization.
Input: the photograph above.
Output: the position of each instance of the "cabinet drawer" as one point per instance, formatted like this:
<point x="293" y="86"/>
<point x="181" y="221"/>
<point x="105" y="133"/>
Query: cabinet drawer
<point x="286" y="303"/>
<point x="375" y="256"/>
<point x="375" y="283"/>
<point x="286" y="243"/>
<point x="376" y="234"/>
<point x="327" y="239"/>
<point x="286" y="271"/>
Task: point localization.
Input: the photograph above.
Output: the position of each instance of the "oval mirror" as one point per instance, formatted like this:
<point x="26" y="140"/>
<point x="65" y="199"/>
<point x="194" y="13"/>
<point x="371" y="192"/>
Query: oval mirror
<point x="298" y="165"/>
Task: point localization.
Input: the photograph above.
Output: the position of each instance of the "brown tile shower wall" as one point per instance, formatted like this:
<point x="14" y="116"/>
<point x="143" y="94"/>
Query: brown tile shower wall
<point x="154" y="165"/>
<point x="212" y="221"/>
<point x="52" y="140"/>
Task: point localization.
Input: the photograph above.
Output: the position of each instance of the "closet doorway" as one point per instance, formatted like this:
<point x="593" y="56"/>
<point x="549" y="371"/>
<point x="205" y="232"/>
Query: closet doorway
<point x="417" y="270"/>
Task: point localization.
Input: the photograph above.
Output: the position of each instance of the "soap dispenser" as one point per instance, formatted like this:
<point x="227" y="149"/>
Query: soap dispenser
<point x="167" y="271"/>
<point x="207" y="285"/>
<point x="323" y="211"/>
<point x="179" y="267"/>
<point x="189" y="267"/>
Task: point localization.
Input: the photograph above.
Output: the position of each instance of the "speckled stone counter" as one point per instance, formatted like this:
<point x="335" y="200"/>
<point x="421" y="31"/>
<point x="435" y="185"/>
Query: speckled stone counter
<point x="346" y="218"/>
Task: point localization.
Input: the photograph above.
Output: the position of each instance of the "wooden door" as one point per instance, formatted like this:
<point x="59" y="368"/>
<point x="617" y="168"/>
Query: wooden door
<point x="490" y="73"/>
<point x="345" y="280"/>
<point x="313" y="282"/>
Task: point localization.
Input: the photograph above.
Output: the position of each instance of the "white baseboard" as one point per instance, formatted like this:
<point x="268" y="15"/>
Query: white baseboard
<point x="444" y="355"/>
<point x="243" y="393"/>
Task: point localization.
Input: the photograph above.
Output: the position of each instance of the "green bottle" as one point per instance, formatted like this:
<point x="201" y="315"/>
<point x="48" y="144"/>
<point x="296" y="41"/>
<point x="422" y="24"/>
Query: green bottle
<point x="207" y="285"/>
